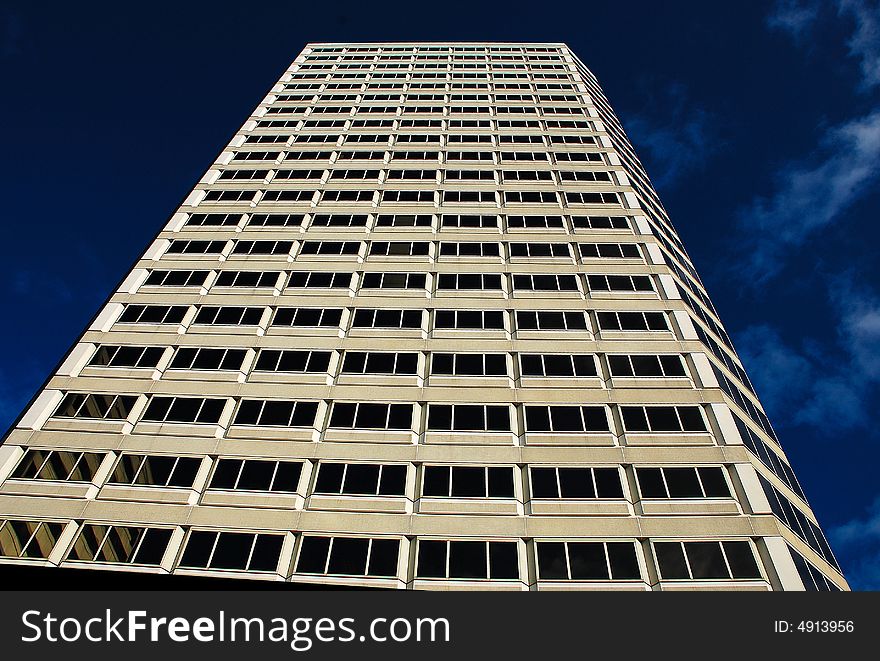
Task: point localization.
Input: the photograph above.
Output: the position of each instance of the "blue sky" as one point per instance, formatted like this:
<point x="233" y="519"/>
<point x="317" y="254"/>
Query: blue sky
<point x="758" y="123"/>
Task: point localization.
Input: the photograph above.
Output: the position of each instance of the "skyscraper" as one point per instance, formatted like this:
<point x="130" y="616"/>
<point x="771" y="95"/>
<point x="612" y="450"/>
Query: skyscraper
<point x="423" y="323"/>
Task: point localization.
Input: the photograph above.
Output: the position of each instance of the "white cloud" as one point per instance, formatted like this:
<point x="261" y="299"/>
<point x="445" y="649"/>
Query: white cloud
<point x="860" y="539"/>
<point x="809" y="196"/>
<point x="676" y="139"/>
<point x="865" y="41"/>
<point x="826" y="386"/>
<point x="794" y="17"/>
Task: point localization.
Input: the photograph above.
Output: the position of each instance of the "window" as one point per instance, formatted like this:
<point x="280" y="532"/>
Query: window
<point x="591" y="198"/>
<point x="256" y="475"/>
<point x="468" y="221"/>
<point x="198" y="410"/>
<point x="545" y="282"/>
<point x="469" y="249"/>
<point x="348" y="556"/>
<point x="153" y="314"/>
<point x="247" y="278"/>
<point x="132" y="357"/>
<point x="465" y="197"/>
<point x="558" y="419"/>
<point x="368" y="415"/>
<point x="262" y="247"/>
<point x="360" y="362"/>
<point x="319" y="280"/>
<point x="227" y="196"/>
<point x="399" y="248"/>
<point x="582" y="175"/>
<point x="218" y="219"/>
<point x="228" y="316"/>
<point x="632" y="321"/>
<point x="578" y="157"/>
<point x="181" y="247"/>
<point x="539" y="250"/>
<point x="95" y="406"/>
<point x="530" y="197"/>
<point x="412" y="175"/>
<point x="609" y="250"/>
<point x="557" y="365"/>
<point x="276" y="220"/>
<point x="550" y="320"/>
<point x="683" y="482"/>
<point x="208" y="549"/>
<point x="575" y="482"/>
<point x="298" y="175"/>
<point x="361" y="479"/>
<point x="176" y="279"/>
<point x="620" y="283"/>
<point x="339" y="220"/>
<point x="587" y="561"/>
<point x="706" y="560"/>
<point x="275" y="360"/>
<point x="646" y="366"/>
<point x="347" y="196"/>
<point x="128" y="545"/>
<point x="308" y="317"/>
<point x="62" y="465"/>
<point x="403" y="220"/>
<point x="476" y="281"/>
<point x="469" y="364"/>
<point x="468" y="417"/>
<point x="600" y="222"/>
<point x="655" y="419"/>
<point x="408" y="196"/>
<point x="470" y="175"/>
<point x="366" y="318"/>
<point x="535" y="222"/>
<point x="193" y="358"/>
<point x="380" y="280"/>
<point x="468" y="482"/>
<point x="28" y="539"/>
<point x="467" y="560"/>
<point x="276" y="413"/>
<point x="330" y="247"/>
<point x="155" y="471"/>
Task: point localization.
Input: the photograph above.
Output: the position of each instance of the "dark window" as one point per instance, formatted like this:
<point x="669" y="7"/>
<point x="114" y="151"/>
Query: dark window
<point x="58" y="465"/>
<point x="468" y="482"/>
<point x="275" y="360"/>
<point x="467" y="560"/>
<point x="360" y="362"/>
<point x="155" y="470"/>
<point x="196" y="410"/>
<point x="120" y="544"/>
<point x="706" y="560"/>
<point x="131" y="357"/>
<point x="468" y="417"/>
<point x="566" y="419"/>
<point x="276" y="413"/>
<point x="256" y="475"/>
<point x="663" y="419"/>
<point x="369" y="415"/>
<point x="193" y="358"/>
<point x="348" y="556"/>
<point x="96" y="406"/>
<point x="587" y="561"/>
<point x="557" y="365"/>
<point x="361" y="479"/>
<point x="469" y="364"/>
<point x="28" y="539"/>
<point x="207" y="549"/>
<point x="575" y="482"/>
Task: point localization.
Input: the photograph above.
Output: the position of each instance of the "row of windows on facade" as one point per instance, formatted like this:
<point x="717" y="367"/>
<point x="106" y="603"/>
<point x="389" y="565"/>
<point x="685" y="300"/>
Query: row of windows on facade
<point x="424" y="197"/>
<point x="503" y="250"/>
<point x="445" y="156"/>
<point x="440" y="91"/>
<point x="377" y="221"/>
<point x="483" y="418"/>
<point x="436" y="282"/>
<point x="497" y="126"/>
<point x="380" y="557"/>
<point x="333" y="478"/>
<point x="390" y="363"/>
<point x="439" y="124"/>
<point x="487" y="111"/>
<point x="398" y="319"/>
<point x="431" y="176"/>
<point x="430" y="70"/>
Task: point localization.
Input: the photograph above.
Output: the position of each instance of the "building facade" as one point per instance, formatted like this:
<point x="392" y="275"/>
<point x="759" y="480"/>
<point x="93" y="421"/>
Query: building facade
<point x="424" y="323"/>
